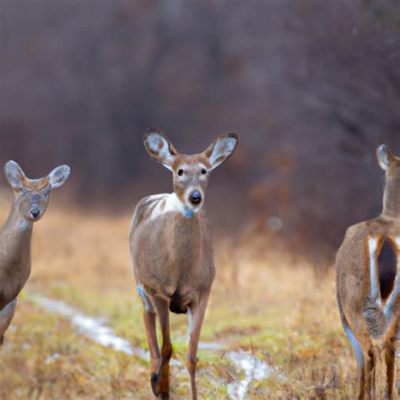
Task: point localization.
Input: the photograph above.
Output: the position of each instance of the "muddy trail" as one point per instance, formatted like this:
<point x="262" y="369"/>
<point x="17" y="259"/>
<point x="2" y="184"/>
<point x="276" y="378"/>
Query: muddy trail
<point x="249" y="367"/>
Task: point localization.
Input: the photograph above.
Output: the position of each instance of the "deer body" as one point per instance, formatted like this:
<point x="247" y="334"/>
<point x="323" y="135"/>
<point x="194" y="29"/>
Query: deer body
<point x="176" y="250"/>
<point x="30" y="202"/>
<point x="172" y="252"/>
<point x="368" y="289"/>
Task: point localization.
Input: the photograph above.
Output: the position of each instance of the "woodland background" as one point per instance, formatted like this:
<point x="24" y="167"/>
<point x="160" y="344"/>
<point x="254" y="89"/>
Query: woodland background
<point x="311" y="86"/>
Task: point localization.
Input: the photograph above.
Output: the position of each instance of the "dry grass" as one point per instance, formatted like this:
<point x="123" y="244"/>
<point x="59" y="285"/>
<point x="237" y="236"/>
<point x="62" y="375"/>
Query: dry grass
<point x="283" y="313"/>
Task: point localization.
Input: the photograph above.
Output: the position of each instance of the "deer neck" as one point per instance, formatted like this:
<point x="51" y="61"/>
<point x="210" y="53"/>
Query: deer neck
<point x="391" y="199"/>
<point x="17" y="233"/>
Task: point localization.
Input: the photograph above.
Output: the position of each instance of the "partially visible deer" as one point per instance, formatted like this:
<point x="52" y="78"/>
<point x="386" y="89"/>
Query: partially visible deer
<point x="368" y="289"/>
<point x="31" y="197"/>
<point x="172" y="251"/>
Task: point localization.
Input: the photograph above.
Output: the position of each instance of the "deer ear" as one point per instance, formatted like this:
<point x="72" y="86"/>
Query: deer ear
<point x="14" y="174"/>
<point x="58" y="176"/>
<point x="384" y="156"/>
<point x="160" y="148"/>
<point x="221" y="149"/>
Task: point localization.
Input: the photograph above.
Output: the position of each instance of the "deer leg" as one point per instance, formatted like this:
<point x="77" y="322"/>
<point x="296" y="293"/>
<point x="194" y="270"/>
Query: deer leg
<point x="6" y="315"/>
<point x="390" y="362"/>
<point x="161" y="380"/>
<point x="149" y="317"/>
<point x="196" y="316"/>
<point x="396" y="352"/>
<point x="380" y="382"/>
<point x="360" y="360"/>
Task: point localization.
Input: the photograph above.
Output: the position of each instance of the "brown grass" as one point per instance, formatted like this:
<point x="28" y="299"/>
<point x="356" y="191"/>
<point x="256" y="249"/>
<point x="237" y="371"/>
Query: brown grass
<point x="275" y="307"/>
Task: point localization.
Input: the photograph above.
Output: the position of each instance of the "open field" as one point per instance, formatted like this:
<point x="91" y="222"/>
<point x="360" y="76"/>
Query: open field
<point x="278" y="310"/>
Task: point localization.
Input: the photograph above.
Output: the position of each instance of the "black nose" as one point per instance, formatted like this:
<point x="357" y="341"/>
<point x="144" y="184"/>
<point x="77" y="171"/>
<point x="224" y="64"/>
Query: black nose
<point x="195" y="197"/>
<point x="35" y="212"/>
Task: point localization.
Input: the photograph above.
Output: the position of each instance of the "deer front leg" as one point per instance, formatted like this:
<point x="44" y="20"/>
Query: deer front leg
<point x="161" y="379"/>
<point x="149" y="317"/>
<point x="6" y="315"/>
<point x="196" y="316"/>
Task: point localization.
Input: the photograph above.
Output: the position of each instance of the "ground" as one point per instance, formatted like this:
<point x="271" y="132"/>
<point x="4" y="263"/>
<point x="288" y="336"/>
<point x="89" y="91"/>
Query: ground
<point x="280" y="311"/>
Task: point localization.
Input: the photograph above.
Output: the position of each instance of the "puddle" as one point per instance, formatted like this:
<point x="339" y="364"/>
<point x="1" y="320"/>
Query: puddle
<point x="253" y="368"/>
<point x="97" y="330"/>
<point x="94" y="328"/>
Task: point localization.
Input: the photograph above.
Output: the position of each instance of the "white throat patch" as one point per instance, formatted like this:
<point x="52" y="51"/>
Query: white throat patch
<point x="168" y="203"/>
<point x="23" y="225"/>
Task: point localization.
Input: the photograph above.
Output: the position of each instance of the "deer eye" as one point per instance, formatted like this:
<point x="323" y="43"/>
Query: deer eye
<point x="203" y="171"/>
<point x="180" y="172"/>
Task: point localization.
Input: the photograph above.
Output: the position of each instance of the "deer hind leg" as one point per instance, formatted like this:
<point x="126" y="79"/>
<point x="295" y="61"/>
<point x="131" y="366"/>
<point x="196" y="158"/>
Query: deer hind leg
<point x="6" y="315"/>
<point x="391" y="368"/>
<point x="160" y="381"/>
<point x="362" y="367"/>
<point x="396" y="354"/>
<point x="149" y="317"/>
<point x="196" y="317"/>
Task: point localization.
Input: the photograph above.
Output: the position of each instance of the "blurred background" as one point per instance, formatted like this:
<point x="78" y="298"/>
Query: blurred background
<point x="311" y="86"/>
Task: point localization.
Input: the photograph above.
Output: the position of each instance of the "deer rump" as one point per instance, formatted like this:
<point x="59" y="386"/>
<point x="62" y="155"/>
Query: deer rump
<point x="387" y="267"/>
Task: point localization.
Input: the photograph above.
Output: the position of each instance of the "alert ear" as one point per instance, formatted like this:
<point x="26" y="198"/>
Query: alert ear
<point x="160" y="148"/>
<point x="221" y="149"/>
<point x="384" y="156"/>
<point x="58" y="176"/>
<point x="14" y="174"/>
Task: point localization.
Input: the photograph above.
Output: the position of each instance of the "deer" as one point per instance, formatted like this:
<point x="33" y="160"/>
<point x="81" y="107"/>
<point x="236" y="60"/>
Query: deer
<point x="368" y="289"/>
<point x="172" y="251"/>
<point x="30" y="201"/>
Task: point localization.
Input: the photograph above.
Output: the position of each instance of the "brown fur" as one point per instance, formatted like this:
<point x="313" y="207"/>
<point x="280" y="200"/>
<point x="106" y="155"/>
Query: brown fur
<point x="172" y="256"/>
<point x="375" y="332"/>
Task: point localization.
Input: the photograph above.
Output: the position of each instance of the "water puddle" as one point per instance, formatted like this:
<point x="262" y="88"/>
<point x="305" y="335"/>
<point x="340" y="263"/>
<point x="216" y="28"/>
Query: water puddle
<point x="97" y="330"/>
<point x="94" y="328"/>
<point x="254" y="370"/>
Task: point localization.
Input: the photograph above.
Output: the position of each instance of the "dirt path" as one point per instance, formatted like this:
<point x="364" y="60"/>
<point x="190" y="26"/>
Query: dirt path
<point x="250" y="367"/>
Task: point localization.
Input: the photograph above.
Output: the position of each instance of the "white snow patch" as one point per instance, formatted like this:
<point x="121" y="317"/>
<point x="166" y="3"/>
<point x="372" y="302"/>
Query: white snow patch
<point x="97" y="330"/>
<point x="253" y="368"/>
<point x="94" y="328"/>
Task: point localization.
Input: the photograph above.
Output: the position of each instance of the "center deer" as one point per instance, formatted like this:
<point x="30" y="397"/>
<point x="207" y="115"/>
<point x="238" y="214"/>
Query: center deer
<point x="368" y="289"/>
<point x="172" y="251"/>
<point x="31" y="197"/>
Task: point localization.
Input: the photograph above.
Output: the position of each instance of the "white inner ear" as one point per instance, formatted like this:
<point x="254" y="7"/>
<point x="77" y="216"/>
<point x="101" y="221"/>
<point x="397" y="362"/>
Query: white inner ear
<point x="383" y="159"/>
<point x="223" y="148"/>
<point x="14" y="174"/>
<point x="153" y="141"/>
<point x="58" y="176"/>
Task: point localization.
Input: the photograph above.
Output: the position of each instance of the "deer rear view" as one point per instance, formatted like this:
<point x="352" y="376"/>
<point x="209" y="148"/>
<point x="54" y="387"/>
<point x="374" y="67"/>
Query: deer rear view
<point x="31" y="197"/>
<point x="368" y="289"/>
<point x="172" y="251"/>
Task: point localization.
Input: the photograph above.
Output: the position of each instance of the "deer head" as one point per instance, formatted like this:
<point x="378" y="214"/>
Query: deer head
<point x="391" y="165"/>
<point x="190" y="172"/>
<point x="31" y="196"/>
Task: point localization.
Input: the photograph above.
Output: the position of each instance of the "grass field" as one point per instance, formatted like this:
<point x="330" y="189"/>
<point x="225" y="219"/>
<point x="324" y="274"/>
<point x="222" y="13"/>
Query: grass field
<point x="279" y="310"/>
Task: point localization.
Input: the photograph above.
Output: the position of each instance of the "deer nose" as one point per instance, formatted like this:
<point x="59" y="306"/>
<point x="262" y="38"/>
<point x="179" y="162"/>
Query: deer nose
<point x="195" y="197"/>
<point x="35" y="212"/>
